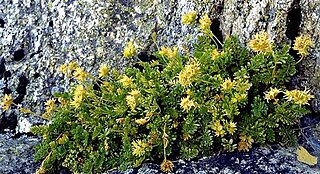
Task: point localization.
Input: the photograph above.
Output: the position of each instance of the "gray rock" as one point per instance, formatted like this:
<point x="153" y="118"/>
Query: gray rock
<point x="16" y="154"/>
<point x="263" y="160"/>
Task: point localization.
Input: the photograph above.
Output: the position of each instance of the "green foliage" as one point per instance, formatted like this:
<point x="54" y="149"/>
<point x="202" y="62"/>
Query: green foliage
<point x="177" y="106"/>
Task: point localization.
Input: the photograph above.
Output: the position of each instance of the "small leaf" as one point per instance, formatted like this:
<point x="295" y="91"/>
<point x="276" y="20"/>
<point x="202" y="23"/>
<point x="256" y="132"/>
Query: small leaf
<point x="305" y="157"/>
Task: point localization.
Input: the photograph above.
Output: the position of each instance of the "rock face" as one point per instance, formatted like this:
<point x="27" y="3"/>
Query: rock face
<point x="38" y="36"/>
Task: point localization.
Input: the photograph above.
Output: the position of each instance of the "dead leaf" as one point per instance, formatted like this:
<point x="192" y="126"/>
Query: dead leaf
<point x="305" y="157"/>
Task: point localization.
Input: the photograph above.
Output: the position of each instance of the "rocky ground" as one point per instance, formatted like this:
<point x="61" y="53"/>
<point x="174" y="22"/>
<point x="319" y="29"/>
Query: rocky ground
<point x="36" y="37"/>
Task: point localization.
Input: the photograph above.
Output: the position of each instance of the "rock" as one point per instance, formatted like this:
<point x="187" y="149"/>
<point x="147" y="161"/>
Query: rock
<point x="23" y="125"/>
<point x="263" y="160"/>
<point x="16" y="154"/>
<point x="8" y="121"/>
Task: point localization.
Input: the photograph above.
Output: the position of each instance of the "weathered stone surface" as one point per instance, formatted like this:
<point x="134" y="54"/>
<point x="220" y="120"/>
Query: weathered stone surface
<point x="263" y="160"/>
<point x="16" y="154"/>
<point x="38" y="36"/>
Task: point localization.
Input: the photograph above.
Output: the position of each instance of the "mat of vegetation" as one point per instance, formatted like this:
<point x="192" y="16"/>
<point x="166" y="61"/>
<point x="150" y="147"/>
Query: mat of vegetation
<point x="181" y="104"/>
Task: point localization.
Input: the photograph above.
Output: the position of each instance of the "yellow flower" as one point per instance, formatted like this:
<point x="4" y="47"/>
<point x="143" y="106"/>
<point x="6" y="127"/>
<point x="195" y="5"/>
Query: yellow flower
<point x="7" y="102"/>
<point x="63" y="68"/>
<point x="25" y="111"/>
<point x="245" y="143"/>
<point x="129" y="50"/>
<point x="126" y="81"/>
<point x="79" y="74"/>
<point x="135" y="93"/>
<point x="139" y="147"/>
<point x="299" y="97"/>
<point x="302" y="44"/>
<point x="271" y="95"/>
<point x="64" y="138"/>
<point x="205" y="24"/>
<point x="50" y="105"/>
<point x="261" y="43"/>
<point x="103" y="71"/>
<point x="216" y="54"/>
<point x="73" y="65"/>
<point x="76" y="102"/>
<point x="170" y="53"/>
<point x="187" y="104"/>
<point x="131" y="102"/>
<point x="166" y="165"/>
<point x="79" y="90"/>
<point x="141" y="121"/>
<point x="78" y="95"/>
<point x="232" y="127"/>
<point x="227" y="84"/>
<point x="189" y="73"/>
<point x="217" y="126"/>
<point x="189" y="18"/>
<point x="62" y="101"/>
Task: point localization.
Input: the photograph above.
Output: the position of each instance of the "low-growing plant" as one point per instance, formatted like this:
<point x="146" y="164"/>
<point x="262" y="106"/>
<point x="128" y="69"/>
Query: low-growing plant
<point x="181" y="105"/>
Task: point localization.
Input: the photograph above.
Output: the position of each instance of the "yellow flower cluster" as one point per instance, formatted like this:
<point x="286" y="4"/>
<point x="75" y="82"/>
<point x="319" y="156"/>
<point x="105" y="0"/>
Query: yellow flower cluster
<point x="129" y="50"/>
<point x="78" y="96"/>
<point x="126" y="81"/>
<point x="50" y="105"/>
<point x="217" y="126"/>
<point x="216" y="54"/>
<point x="139" y="148"/>
<point x="261" y="43"/>
<point x="6" y="102"/>
<point x="80" y="74"/>
<point x="187" y="104"/>
<point x="68" y="68"/>
<point x="131" y="102"/>
<point x="189" y="18"/>
<point x="190" y="71"/>
<point x="103" y="71"/>
<point x="245" y="143"/>
<point x="302" y="44"/>
<point x="166" y="165"/>
<point x="299" y="97"/>
<point x="205" y="24"/>
<point x="135" y="93"/>
<point x="227" y="84"/>
<point x="231" y="127"/>
<point x="170" y="53"/>
<point x="271" y="95"/>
